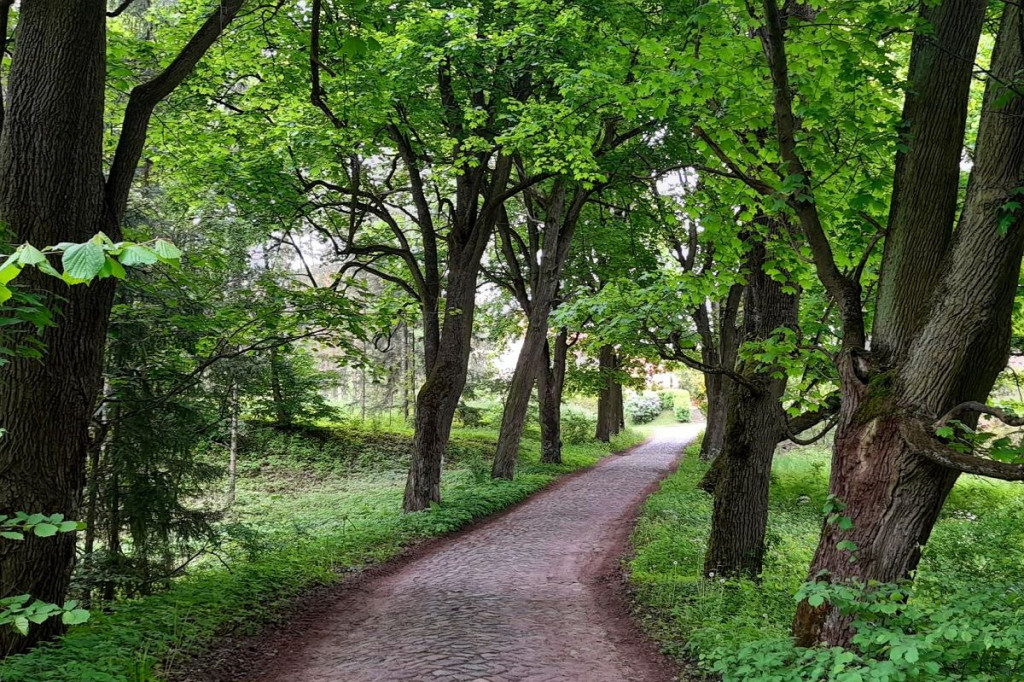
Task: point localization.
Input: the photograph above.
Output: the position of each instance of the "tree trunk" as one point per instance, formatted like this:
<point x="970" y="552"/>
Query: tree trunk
<point x="753" y="428"/>
<point x="439" y="396"/>
<point x="618" y="408"/>
<point x="233" y="446"/>
<point x="51" y="190"/>
<point x="281" y="413"/>
<point x="893" y="492"/>
<point x="607" y="419"/>
<point x="513" y="417"/>
<point x="550" y="382"/>
<point x="740" y="517"/>
<point x="713" y="442"/>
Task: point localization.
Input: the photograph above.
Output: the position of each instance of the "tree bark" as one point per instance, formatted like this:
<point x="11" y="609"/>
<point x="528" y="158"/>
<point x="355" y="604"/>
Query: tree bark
<point x="753" y="428"/>
<point x="52" y="190"/>
<point x="439" y="396"/>
<point x="718" y="389"/>
<point x="550" y="383"/>
<point x="894" y="494"/>
<point x="607" y="419"/>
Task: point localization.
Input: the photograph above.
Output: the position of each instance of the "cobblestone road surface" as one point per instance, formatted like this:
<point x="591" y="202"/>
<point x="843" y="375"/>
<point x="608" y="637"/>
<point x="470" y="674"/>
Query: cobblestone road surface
<point x="528" y="597"/>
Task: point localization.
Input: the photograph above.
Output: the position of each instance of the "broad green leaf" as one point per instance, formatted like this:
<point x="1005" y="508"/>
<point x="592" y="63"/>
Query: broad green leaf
<point x="30" y="255"/>
<point x="167" y="250"/>
<point x="75" y="617"/>
<point x="135" y="254"/>
<point x="45" y="530"/>
<point x="83" y="261"/>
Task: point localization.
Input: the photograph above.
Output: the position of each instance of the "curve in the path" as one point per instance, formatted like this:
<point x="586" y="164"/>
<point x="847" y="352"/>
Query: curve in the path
<point x="527" y="597"/>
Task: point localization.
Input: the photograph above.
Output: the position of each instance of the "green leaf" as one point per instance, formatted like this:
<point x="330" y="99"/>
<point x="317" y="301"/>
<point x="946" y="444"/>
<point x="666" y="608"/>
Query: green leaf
<point x="21" y="624"/>
<point x="30" y="255"/>
<point x="135" y="254"/>
<point x="83" y="261"/>
<point x="75" y="617"/>
<point x="11" y="535"/>
<point x="166" y="250"/>
<point x="8" y="273"/>
<point x="45" y="530"/>
<point x="68" y="526"/>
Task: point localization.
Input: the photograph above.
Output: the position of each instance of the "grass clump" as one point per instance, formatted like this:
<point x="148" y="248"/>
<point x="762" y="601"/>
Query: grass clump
<point x="960" y="619"/>
<point x="303" y="517"/>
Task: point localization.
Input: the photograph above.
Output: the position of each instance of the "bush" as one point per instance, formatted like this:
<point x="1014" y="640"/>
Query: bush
<point x="578" y="425"/>
<point x="681" y="402"/>
<point x="643" y="408"/>
<point x="667" y="399"/>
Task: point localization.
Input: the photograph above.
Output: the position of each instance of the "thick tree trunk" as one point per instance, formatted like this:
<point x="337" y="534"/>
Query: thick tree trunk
<point x="517" y="402"/>
<point x="892" y="493"/>
<point x="718" y="388"/>
<point x="618" y="416"/>
<point x="550" y="383"/>
<point x="753" y="427"/>
<point x="740" y="518"/>
<point x="439" y="396"/>
<point x="51" y="190"/>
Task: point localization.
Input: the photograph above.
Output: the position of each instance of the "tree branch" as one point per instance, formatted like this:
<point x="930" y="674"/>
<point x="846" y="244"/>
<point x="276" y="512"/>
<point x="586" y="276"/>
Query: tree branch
<point x="145" y="97"/>
<point x="316" y="91"/>
<point x="928" y="446"/>
<point x="846" y="292"/>
<point x="981" y="408"/>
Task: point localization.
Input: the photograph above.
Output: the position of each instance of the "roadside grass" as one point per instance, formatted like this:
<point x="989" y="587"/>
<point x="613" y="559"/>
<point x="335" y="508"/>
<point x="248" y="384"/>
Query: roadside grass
<point x="305" y="515"/>
<point x="962" y="621"/>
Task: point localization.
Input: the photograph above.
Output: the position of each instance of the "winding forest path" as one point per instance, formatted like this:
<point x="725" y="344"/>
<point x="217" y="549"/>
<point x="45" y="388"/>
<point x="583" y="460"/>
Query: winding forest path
<point x="532" y="595"/>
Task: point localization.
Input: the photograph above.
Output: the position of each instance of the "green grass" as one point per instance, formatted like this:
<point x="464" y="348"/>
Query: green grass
<point x="307" y="521"/>
<point x="969" y="575"/>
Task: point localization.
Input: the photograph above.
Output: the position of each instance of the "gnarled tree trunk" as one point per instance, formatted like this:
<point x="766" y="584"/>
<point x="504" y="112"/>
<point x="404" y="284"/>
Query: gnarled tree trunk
<point x="941" y="336"/>
<point x="446" y="378"/>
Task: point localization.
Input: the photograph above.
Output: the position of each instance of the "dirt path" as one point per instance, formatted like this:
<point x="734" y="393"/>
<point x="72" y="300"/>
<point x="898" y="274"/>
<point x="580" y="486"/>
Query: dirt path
<point x="533" y="595"/>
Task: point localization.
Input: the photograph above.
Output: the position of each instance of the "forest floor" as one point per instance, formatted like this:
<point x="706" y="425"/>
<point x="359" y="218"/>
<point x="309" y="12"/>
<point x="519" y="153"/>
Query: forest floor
<point x="533" y="594"/>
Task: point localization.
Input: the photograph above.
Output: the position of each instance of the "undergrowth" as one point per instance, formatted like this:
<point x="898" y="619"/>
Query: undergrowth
<point x="305" y="516"/>
<point x="960" y="620"/>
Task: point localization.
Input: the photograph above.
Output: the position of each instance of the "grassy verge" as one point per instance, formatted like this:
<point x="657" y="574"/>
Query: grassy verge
<point x="298" y="523"/>
<point x="961" y="622"/>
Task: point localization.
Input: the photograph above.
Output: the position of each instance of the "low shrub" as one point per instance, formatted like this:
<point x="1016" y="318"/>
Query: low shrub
<point x="682" y="405"/>
<point x="667" y="399"/>
<point x="643" y="408"/>
<point x="578" y="425"/>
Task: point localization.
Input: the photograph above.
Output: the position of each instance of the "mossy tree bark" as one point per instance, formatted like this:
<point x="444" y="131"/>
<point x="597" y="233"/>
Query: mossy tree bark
<point x="942" y="321"/>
